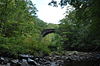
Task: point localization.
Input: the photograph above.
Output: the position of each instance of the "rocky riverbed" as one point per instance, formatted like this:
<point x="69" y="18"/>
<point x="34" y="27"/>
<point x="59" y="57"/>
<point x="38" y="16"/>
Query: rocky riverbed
<point x="67" y="59"/>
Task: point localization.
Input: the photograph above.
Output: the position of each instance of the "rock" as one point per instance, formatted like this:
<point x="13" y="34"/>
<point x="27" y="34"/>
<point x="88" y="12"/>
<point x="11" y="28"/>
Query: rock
<point x="15" y="61"/>
<point x="24" y="63"/>
<point x="8" y="64"/>
<point x="25" y="56"/>
<point x="53" y="63"/>
<point x="2" y="60"/>
<point x="97" y="56"/>
<point x="32" y="62"/>
<point x="47" y="63"/>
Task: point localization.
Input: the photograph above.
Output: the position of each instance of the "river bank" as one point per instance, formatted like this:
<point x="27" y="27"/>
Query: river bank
<point x="70" y="58"/>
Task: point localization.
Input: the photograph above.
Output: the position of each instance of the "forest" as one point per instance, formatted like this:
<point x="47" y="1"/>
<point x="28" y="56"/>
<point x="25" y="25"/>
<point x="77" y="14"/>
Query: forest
<point x="20" y="28"/>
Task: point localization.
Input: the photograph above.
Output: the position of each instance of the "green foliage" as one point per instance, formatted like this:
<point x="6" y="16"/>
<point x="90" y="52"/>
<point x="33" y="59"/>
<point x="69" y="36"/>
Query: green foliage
<point x="81" y="27"/>
<point x="20" y="29"/>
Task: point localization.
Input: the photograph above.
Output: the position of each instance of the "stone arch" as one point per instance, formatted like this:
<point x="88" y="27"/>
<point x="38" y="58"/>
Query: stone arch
<point x="47" y="31"/>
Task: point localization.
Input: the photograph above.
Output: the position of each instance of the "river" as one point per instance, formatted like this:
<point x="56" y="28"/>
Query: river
<point x="73" y="59"/>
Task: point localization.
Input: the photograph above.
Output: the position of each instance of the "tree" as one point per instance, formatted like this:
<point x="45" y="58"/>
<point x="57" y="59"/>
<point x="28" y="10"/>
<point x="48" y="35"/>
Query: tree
<point x="19" y="27"/>
<point x="86" y="24"/>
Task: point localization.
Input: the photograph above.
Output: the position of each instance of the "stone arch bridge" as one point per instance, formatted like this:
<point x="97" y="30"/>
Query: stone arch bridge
<point x="47" y="31"/>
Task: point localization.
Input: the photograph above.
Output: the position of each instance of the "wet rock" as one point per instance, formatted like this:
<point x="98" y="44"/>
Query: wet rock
<point x="8" y="64"/>
<point x="47" y="63"/>
<point x="25" y="56"/>
<point x="97" y="56"/>
<point x="52" y="60"/>
<point x="32" y="62"/>
<point x="53" y="63"/>
<point x="15" y="62"/>
<point x="59" y="62"/>
<point x="2" y="60"/>
<point x="37" y="59"/>
<point x="29" y="59"/>
<point x="24" y="63"/>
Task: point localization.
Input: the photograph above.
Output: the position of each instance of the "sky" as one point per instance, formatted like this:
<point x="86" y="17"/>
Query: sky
<point x="48" y="13"/>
